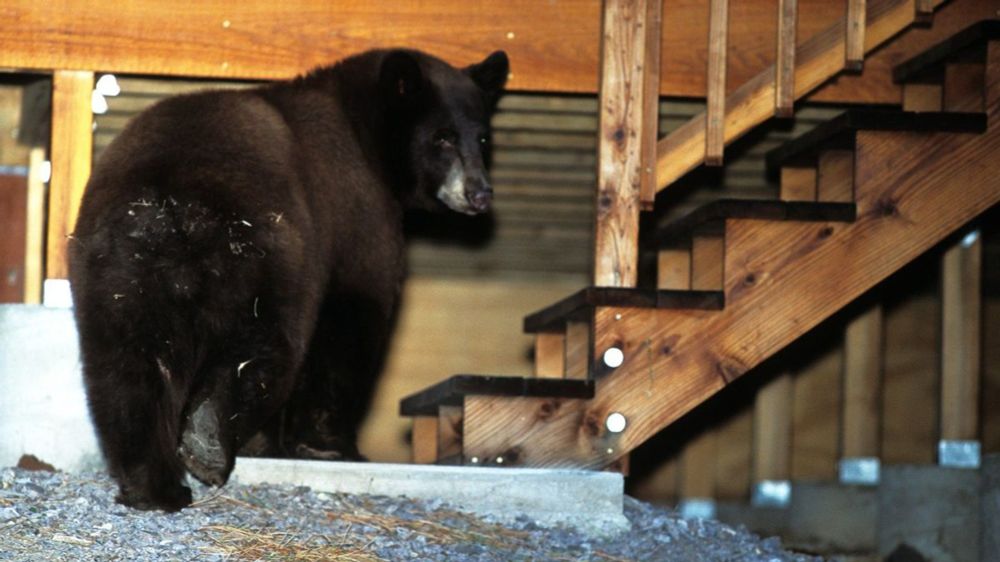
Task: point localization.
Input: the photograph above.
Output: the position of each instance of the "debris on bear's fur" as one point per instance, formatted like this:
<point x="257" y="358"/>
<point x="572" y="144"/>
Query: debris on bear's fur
<point x="62" y="517"/>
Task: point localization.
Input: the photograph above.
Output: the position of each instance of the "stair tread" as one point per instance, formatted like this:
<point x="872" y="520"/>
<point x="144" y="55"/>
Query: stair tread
<point x="980" y="31"/>
<point x="765" y="209"/>
<point x="553" y="318"/>
<point x="451" y="391"/>
<point x="842" y="127"/>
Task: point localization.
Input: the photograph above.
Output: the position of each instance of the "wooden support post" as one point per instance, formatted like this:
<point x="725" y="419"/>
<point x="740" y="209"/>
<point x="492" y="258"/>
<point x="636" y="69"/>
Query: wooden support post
<point x="550" y="355"/>
<point x="860" y="432"/>
<point x="707" y="255"/>
<point x="835" y="176"/>
<point x="715" y="123"/>
<point x="34" y="251"/>
<point x="673" y="269"/>
<point x="577" y="362"/>
<point x="922" y="97"/>
<point x="816" y="411"/>
<point x="619" y="159"/>
<point x="650" y="102"/>
<point x="425" y="439"/>
<point x="72" y="150"/>
<point x="855" y="48"/>
<point x="734" y="456"/>
<point x="697" y="467"/>
<point x="772" y="430"/>
<point x="964" y="86"/>
<point x="798" y="184"/>
<point x="784" y="81"/>
<point x="961" y="279"/>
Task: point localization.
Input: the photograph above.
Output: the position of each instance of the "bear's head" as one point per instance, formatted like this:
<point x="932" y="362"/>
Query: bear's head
<point x="439" y="117"/>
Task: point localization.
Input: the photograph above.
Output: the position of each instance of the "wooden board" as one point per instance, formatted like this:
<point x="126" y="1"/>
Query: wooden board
<point x="425" y="440"/>
<point x="619" y="148"/>
<point x="72" y="141"/>
<point x="798" y="184"/>
<point x="781" y="279"/>
<point x="772" y="430"/>
<point x="963" y="86"/>
<point x="816" y="412"/>
<point x="922" y="97"/>
<point x="860" y="434"/>
<point x="550" y="355"/>
<point x="734" y="455"/>
<point x="653" y="26"/>
<point x="34" y="240"/>
<point x="707" y="257"/>
<point x="673" y="271"/>
<point x="835" y="176"/>
<point x="961" y="337"/>
<point x="784" y="81"/>
<point x="715" y="114"/>
<point x="13" y="210"/>
<point x="855" y="34"/>
<point x="697" y="466"/>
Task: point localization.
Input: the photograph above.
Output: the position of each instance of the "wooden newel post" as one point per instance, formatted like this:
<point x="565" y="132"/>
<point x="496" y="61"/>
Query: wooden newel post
<point x="620" y="160"/>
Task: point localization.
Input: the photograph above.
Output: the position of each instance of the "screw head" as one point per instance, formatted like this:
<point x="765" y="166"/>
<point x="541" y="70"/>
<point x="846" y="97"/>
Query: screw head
<point x="614" y="357"/>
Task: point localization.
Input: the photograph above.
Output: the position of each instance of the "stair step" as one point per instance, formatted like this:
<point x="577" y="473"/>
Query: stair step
<point x="553" y="318"/>
<point x="839" y="131"/>
<point x="927" y="61"/>
<point x="682" y="228"/>
<point x="452" y="391"/>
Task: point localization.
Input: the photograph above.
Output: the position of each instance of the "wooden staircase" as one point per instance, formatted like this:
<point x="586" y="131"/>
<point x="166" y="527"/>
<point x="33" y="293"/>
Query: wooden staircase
<point x="736" y="281"/>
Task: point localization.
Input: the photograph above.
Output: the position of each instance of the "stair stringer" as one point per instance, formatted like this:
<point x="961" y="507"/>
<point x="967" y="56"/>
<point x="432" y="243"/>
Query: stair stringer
<point x="781" y="279"/>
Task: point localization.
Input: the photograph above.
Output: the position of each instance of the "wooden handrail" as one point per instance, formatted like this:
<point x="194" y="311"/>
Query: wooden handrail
<point x="817" y="60"/>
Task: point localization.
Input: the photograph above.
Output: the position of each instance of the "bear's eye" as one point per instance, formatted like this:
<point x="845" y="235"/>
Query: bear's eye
<point x="445" y="138"/>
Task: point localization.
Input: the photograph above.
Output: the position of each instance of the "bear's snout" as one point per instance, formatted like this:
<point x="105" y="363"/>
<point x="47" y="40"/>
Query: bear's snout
<point x="480" y="199"/>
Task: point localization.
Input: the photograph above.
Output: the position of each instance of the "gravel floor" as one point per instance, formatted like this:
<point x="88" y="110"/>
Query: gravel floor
<point x="56" y="516"/>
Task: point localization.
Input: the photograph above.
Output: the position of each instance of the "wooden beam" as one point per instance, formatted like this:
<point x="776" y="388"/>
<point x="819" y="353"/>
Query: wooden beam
<point x="816" y="413"/>
<point x="819" y="58"/>
<point x="697" y="467"/>
<point x="922" y="97"/>
<point x="964" y="87"/>
<point x="861" y="420"/>
<point x="734" y="456"/>
<point x="855" y="34"/>
<point x="71" y="146"/>
<point x="577" y="361"/>
<point x="619" y="170"/>
<point x="835" y="176"/>
<point x="798" y="184"/>
<point x="961" y="353"/>
<point x="425" y="440"/>
<point x="550" y="355"/>
<point x="673" y="269"/>
<point x="772" y="430"/>
<point x="650" y="102"/>
<point x="34" y="251"/>
<point x="784" y="81"/>
<point x="715" y="125"/>
<point x="707" y="257"/>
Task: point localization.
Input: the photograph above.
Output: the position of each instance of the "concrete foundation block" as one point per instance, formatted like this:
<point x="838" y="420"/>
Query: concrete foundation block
<point x="765" y="521"/>
<point x="990" y="508"/>
<point x="834" y="517"/>
<point x="934" y="510"/>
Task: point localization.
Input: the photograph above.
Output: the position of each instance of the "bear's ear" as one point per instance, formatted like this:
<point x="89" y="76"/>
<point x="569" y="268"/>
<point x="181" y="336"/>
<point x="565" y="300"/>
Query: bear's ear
<point x="400" y="80"/>
<point x="491" y="74"/>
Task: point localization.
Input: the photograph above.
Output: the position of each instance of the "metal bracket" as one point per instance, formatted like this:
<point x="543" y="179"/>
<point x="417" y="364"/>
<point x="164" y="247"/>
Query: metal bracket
<point x="771" y="493"/>
<point x="953" y="453"/>
<point x="697" y="508"/>
<point x="860" y="471"/>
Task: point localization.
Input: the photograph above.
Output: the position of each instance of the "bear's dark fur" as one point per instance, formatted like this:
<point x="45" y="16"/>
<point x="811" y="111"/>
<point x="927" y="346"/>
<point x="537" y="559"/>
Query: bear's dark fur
<point x="241" y="252"/>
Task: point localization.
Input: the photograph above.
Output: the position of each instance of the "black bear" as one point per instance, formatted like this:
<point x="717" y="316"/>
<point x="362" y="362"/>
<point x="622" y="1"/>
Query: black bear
<point x="238" y="253"/>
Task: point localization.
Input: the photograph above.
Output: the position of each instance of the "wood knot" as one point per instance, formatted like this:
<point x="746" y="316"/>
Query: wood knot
<point x="825" y="232"/>
<point x="750" y="280"/>
<point x="619" y="135"/>
<point x="887" y="207"/>
<point x="547" y="409"/>
<point x="729" y="370"/>
<point x="592" y="425"/>
<point x="669" y="344"/>
<point x="605" y="200"/>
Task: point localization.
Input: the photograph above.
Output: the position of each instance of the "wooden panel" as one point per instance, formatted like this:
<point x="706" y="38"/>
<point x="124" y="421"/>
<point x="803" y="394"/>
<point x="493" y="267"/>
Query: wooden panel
<point x="449" y="434"/>
<point x="707" y="258"/>
<point x="34" y="240"/>
<point x="525" y="431"/>
<point x="781" y="279"/>
<point x="835" y="176"/>
<point x="772" y="430"/>
<point x="784" y="82"/>
<point x="734" y="455"/>
<point x="862" y="385"/>
<point x="550" y="355"/>
<point x="673" y="270"/>
<point x="922" y="97"/>
<point x="855" y="34"/>
<point x="660" y="487"/>
<point x="963" y="87"/>
<point x="425" y="440"/>
<point x="13" y="207"/>
<point x="72" y="139"/>
<point x="619" y="172"/>
<point x="752" y="103"/>
<point x="816" y="413"/>
<point x="715" y="115"/>
<point x="650" y="101"/>
<point x="577" y="360"/>
<point x="697" y="466"/>
<point x="798" y="184"/>
<point x="961" y="355"/>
